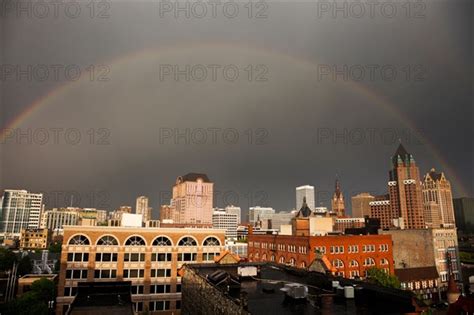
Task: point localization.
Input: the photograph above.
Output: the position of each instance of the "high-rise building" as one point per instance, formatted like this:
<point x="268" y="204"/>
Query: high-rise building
<point x="234" y="210"/>
<point x="256" y="212"/>
<point x="337" y="201"/>
<point x="167" y="213"/>
<point x="406" y="201"/>
<point x="55" y="219"/>
<point x="307" y="192"/>
<point x="142" y="208"/>
<point x="192" y="199"/>
<point x="20" y="210"/>
<point x="438" y="200"/>
<point x="464" y="212"/>
<point x="225" y="221"/>
<point x="380" y="209"/>
<point x="361" y="204"/>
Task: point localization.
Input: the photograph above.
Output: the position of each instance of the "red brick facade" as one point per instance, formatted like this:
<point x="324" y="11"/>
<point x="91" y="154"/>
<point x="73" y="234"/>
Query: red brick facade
<point x="351" y="255"/>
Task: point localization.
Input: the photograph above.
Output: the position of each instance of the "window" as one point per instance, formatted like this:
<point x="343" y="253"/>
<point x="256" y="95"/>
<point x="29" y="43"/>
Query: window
<point x="138" y="306"/>
<point x="160" y="288"/>
<point x="160" y="257"/>
<point x="353" y="263"/>
<point x="159" y="305"/>
<point x="79" y="240"/>
<point x="281" y="260"/>
<point x="369" y="262"/>
<point x="187" y="241"/>
<point x="272" y="258"/>
<point x="160" y="273"/>
<point x="137" y="289"/>
<point x="106" y="257"/>
<point x="292" y="262"/>
<point x="354" y="273"/>
<point x="178" y="288"/>
<point x="353" y="249"/>
<point x="105" y="273"/>
<point x="337" y="249"/>
<point x="107" y="240"/>
<point x="187" y="256"/>
<point x="384" y="261"/>
<point x="338" y="263"/>
<point x="76" y="274"/>
<point x="211" y="241"/>
<point x="209" y="256"/>
<point x="383" y="247"/>
<point x="78" y="257"/>
<point x="70" y="291"/>
<point x="320" y="249"/>
<point x="178" y="305"/>
<point x="135" y="241"/>
<point x="133" y="273"/>
<point x="134" y="257"/>
<point x="162" y="241"/>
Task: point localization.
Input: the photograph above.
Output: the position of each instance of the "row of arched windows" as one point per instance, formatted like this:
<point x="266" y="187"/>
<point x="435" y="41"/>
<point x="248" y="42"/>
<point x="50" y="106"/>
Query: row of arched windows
<point x="354" y="263"/>
<point x="109" y="240"/>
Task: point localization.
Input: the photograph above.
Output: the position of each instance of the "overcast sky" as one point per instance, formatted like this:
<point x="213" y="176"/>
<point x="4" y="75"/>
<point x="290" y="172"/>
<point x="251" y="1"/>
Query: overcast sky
<point x="260" y="96"/>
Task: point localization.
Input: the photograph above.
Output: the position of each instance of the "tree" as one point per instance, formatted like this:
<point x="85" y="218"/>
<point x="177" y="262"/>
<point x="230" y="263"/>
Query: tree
<point x="33" y="302"/>
<point x="380" y="277"/>
<point x="55" y="247"/>
<point x="44" y="289"/>
<point x="7" y="258"/>
<point x="25" y="266"/>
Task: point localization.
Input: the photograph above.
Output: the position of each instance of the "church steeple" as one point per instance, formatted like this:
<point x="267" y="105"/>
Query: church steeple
<point x="338" y="200"/>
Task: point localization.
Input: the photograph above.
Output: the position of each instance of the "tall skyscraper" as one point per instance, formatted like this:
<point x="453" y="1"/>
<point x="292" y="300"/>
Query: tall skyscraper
<point x="337" y="201"/>
<point x="361" y="204"/>
<point x="256" y="212"/>
<point x="142" y="208"/>
<point x="438" y="200"/>
<point x="307" y="192"/>
<point x="192" y="199"/>
<point x="20" y="209"/>
<point x="464" y="212"/>
<point x="406" y="201"/>
<point x="225" y="221"/>
<point x="234" y="210"/>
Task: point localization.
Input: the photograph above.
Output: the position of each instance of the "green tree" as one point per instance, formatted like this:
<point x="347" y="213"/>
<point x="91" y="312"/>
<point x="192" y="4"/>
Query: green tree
<point x="380" y="277"/>
<point x="55" y="247"/>
<point x="44" y="289"/>
<point x="7" y="258"/>
<point x="25" y="266"/>
<point x="33" y="302"/>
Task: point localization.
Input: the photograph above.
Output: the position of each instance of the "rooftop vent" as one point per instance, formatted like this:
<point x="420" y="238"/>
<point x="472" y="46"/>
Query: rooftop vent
<point x="295" y="290"/>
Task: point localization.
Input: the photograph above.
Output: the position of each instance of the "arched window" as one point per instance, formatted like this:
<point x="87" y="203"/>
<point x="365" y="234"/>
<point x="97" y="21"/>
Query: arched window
<point x="264" y="257"/>
<point x="369" y="261"/>
<point x="257" y="256"/>
<point x="187" y="241"/>
<point x="272" y="258"/>
<point x="302" y="264"/>
<point x="135" y="241"/>
<point x="292" y="261"/>
<point x="211" y="241"/>
<point x="162" y="241"/>
<point x="281" y="260"/>
<point x="338" y="263"/>
<point x="384" y="261"/>
<point x="353" y="263"/>
<point x="107" y="240"/>
<point x="79" y="240"/>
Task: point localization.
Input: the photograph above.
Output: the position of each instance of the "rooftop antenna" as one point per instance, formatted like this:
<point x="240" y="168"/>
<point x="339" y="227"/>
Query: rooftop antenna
<point x="72" y="199"/>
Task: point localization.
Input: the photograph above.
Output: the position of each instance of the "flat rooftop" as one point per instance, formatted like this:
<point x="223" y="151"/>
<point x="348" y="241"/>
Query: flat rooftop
<point x="264" y="295"/>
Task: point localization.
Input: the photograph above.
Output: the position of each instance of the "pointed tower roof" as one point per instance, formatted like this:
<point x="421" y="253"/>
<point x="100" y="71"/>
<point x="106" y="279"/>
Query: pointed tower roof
<point x="401" y="151"/>
<point x="337" y="190"/>
<point x="305" y="211"/>
<point x="402" y="156"/>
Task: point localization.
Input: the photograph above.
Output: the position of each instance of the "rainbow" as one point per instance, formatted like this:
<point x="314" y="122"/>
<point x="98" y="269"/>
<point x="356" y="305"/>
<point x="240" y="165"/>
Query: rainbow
<point x="374" y="98"/>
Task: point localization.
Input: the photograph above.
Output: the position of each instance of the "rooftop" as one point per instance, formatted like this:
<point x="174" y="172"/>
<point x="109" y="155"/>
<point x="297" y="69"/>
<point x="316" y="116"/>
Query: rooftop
<point x="262" y="293"/>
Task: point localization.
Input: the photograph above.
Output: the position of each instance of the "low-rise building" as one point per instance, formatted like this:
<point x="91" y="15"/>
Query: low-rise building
<point x="351" y="255"/>
<point x="34" y="238"/>
<point x="416" y="248"/>
<point x="148" y="257"/>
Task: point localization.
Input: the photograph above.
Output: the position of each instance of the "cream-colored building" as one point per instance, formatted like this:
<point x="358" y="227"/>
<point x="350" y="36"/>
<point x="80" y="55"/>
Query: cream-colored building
<point x="34" y="238"/>
<point x="148" y="257"/>
<point x="361" y="204"/>
<point x="438" y="200"/>
<point x="192" y="199"/>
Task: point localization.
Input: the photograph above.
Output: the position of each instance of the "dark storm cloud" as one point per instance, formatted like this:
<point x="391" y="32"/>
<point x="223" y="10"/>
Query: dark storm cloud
<point x="276" y="126"/>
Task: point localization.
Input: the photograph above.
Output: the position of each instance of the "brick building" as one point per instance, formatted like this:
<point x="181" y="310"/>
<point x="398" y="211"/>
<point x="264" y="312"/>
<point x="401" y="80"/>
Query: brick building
<point x="34" y="239"/>
<point x="148" y="257"/>
<point x="351" y="255"/>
